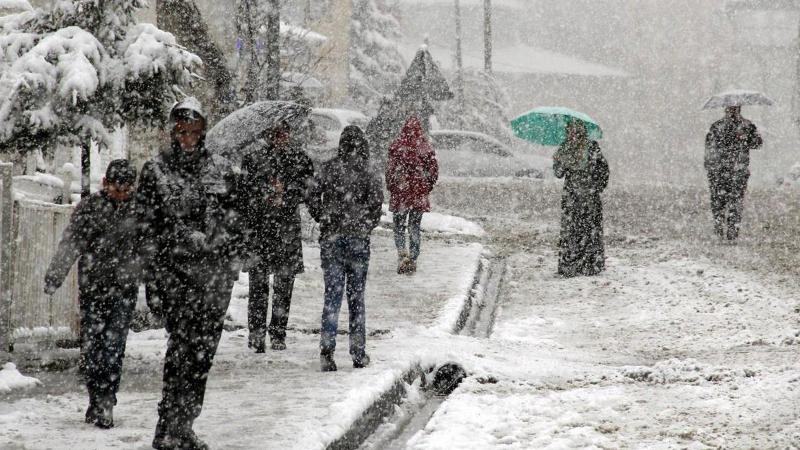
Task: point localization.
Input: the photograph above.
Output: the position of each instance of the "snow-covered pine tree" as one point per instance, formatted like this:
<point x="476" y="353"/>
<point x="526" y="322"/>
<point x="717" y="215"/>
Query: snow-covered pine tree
<point x="81" y="69"/>
<point x="376" y="65"/>
<point x="485" y="107"/>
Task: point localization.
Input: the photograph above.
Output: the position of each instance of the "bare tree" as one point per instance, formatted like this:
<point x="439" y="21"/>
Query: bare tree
<point x="487" y="35"/>
<point x="183" y="19"/>
<point x="459" y="58"/>
<point x="272" y="91"/>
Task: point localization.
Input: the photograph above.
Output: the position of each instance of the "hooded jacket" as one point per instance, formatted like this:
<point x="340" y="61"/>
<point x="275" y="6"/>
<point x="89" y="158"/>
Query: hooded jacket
<point x="412" y="169"/>
<point x="346" y="196"/>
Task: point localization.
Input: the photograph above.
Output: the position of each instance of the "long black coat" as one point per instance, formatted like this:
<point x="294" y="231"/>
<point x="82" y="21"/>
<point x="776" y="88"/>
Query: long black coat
<point x="728" y="145"/>
<point x="273" y="186"/>
<point x="581" y="248"/>
<point x="103" y="233"/>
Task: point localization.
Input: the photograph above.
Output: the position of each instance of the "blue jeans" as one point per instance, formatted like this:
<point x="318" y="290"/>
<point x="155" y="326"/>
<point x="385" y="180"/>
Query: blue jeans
<point x="345" y="261"/>
<point x="414" y="219"/>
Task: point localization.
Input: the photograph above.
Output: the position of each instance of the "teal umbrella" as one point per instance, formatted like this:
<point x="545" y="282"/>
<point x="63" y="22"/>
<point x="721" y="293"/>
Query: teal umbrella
<point x="547" y="125"/>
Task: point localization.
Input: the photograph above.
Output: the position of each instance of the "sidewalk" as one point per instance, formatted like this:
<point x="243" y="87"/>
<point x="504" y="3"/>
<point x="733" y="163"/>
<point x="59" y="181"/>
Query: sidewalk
<point x="276" y="400"/>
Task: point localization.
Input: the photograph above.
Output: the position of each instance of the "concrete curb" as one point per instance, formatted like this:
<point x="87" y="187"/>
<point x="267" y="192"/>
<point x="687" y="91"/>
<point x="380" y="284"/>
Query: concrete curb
<point x="374" y="416"/>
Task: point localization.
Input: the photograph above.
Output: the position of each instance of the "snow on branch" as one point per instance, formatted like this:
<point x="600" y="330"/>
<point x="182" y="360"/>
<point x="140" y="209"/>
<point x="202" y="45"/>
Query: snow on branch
<point x="82" y="68"/>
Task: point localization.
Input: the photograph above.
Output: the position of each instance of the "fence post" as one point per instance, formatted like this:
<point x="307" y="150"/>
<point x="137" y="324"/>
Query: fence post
<point x="6" y="254"/>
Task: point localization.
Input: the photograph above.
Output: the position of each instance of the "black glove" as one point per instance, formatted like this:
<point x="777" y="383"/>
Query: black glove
<point x="153" y="301"/>
<point x="50" y="289"/>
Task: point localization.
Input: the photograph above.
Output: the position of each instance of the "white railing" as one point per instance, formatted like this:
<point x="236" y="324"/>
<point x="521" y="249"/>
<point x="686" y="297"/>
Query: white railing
<point x="30" y="234"/>
<point x="6" y="252"/>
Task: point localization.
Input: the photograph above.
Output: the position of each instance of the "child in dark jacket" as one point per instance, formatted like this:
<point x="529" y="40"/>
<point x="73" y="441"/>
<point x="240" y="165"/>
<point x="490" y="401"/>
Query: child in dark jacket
<point x="102" y="233"/>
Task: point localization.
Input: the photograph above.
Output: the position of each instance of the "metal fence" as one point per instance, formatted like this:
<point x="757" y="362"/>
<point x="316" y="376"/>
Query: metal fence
<point x="30" y="234"/>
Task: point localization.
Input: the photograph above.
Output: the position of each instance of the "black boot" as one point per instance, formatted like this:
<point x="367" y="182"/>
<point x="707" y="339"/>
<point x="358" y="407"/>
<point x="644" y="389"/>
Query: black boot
<point x="362" y="362"/>
<point x="190" y="441"/>
<point x="278" y="344"/>
<point x="326" y="362"/>
<point x="733" y="232"/>
<point x="92" y="412"/>
<point x="257" y="342"/>
<point x="105" y="413"/>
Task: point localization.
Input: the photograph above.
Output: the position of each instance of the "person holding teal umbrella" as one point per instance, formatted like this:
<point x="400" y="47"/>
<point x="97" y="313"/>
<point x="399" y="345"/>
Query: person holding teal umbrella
<point x="585" y="171"/>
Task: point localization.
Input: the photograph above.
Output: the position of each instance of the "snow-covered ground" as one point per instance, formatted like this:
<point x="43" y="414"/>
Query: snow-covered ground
<point x="660" y="351"/>
<point x="683" y="343"/>
<point x="276" y="400"/>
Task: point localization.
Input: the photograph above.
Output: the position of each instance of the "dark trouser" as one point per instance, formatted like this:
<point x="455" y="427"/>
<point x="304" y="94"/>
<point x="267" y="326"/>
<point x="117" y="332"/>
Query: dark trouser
<point x="105" y="321"/>
<point x="283" y="284"/>
<point x="345" y="262"/>
<point x="414" y="220"/>
<point x="194" y="312"/>
<point x="727" y="203"/>
<point x="581" y="248"/>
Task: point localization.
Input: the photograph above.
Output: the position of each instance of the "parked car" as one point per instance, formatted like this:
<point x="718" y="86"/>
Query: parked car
<point x="327" y="125"/>
<point x="472" y="154"/>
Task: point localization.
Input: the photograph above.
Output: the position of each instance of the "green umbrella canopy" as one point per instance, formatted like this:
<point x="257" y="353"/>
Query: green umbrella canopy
<point x="547" y="125"/>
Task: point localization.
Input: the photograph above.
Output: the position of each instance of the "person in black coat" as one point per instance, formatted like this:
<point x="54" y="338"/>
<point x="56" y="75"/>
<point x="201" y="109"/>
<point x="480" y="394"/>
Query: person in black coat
<point x="346" y="200"/>
<point x="585" y="171"/>
<point x="102" y="232"/>
<point x="190" y="269"/>
<point x="727" y="162"/>
<point x="274" y="182"/>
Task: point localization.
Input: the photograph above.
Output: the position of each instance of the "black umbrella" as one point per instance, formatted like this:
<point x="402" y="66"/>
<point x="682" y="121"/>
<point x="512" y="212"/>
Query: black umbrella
<point x="233" y="135"/>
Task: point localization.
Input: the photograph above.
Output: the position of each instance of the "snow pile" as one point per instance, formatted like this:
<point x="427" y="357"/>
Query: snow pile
<point x="11" y="379"/>
<point x="450" y="313"/>
<point x="441" y="223"/>
<point x="14" y="6"/>
<point x="518" y="419"/>
<point x="684" y="371"/>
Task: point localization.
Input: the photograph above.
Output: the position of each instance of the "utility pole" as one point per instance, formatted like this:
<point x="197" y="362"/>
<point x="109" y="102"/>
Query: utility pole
<point x="307" y="15"/>
<point x="487" y="35"/>
<point x="459" y="62"/>
<point x="86" y="171"/>
<point x="796" y="105"/>
<point x="272" y="90"/>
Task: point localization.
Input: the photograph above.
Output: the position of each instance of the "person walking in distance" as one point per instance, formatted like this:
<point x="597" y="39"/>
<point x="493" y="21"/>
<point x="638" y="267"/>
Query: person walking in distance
<point x="727" y="163"/>
<point x="411" y="173"/>
<point x="585" y="171"/>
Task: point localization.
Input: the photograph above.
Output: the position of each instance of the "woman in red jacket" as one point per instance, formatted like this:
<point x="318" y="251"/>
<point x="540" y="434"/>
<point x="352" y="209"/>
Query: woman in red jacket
<point x="411" y="173"/>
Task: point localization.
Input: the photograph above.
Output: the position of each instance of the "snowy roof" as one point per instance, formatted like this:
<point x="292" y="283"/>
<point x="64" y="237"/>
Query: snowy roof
<point x="288" y="29"/>
<point x="511" y="4"/>
<point x="520" y="59"/>
<point x="7" y="6"/>
<point x="345" y="116"/>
